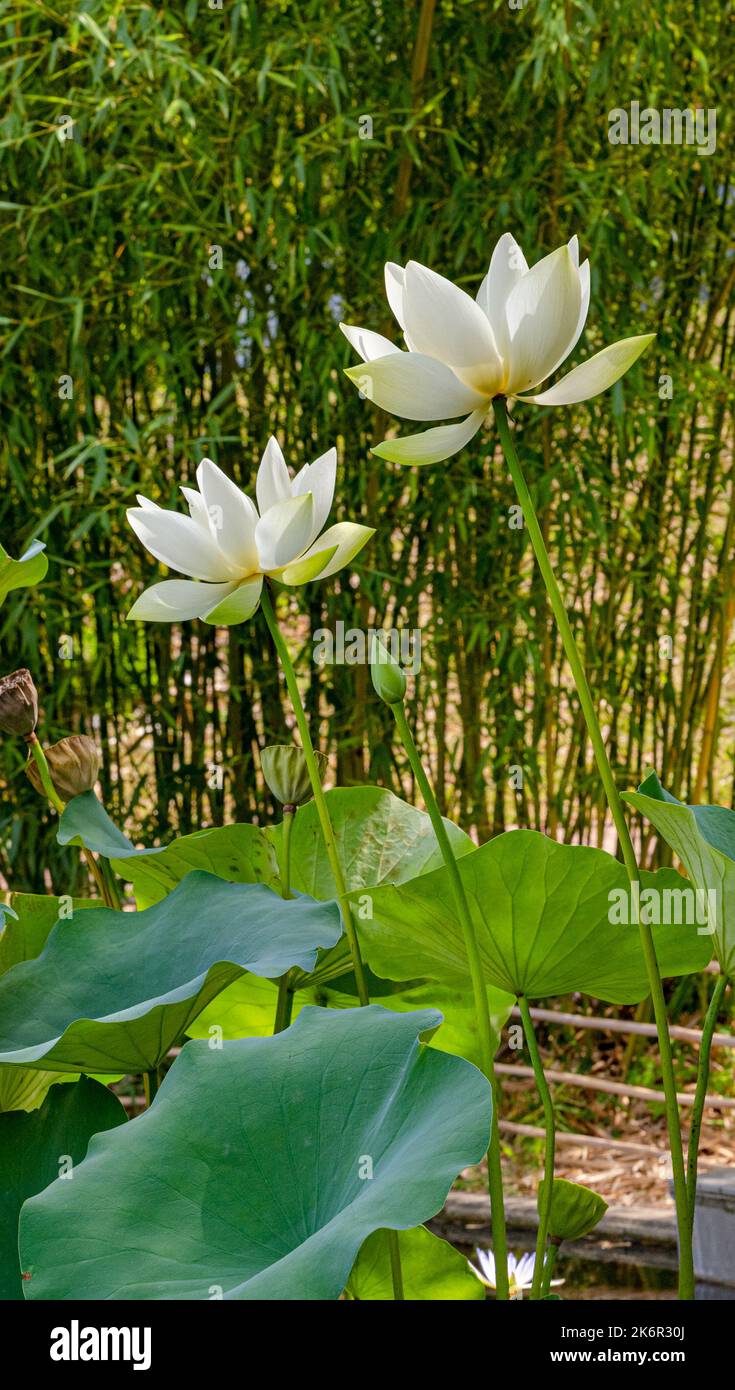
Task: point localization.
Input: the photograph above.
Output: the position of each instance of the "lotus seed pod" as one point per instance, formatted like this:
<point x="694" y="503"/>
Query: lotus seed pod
<point x="73" y="763"/>
<point x="18" y="704"/>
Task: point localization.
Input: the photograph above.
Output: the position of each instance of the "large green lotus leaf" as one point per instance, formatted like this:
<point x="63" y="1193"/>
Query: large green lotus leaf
<point x="33" y="1149"/>
<point x="543" y="916"/>
<point x="112" y="991"/>
<point x="458" y="1033"/>
<point x="262" y="1167"/>
<point x="25" y="932"/>
<point x="25" y="1088"/>
<point x="432" y="1269"/>
<point x="380" y="839"/>
<point x="238" y="853"/>
<point x="26" y="926"/>
<point x="85" y="821"/>
<point x="246" y="1009"/>
<point x="704" y="839"/>
<point x="23" y="573"/>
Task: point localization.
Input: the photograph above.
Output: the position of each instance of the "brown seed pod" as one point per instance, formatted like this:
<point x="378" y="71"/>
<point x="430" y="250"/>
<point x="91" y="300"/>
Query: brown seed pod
<point x="73" y="763"/>
<point x="18" y="704"/>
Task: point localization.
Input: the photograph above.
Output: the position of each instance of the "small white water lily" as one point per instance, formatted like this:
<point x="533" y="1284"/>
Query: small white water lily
<point x="520" y="1272"/>
<point x="228" y="545"/>
<point x="462" y="352"/>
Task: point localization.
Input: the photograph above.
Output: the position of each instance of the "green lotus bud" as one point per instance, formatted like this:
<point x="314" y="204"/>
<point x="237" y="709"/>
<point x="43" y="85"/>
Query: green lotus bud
<point x="18" y="704"/>
<point x="73" y="764"/>
<point x="575" y="1210"/>
<point x="286" y="774"/>
<point x="388" y="678"/>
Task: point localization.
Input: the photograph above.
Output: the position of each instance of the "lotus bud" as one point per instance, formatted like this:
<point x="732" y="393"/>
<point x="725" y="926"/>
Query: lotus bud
<point x="18" y="704"/>
<point x="388" y="678"/>
<point x="73" y="764"/>
<point x="286" y="774"/>
<point x="575" y="1210"/>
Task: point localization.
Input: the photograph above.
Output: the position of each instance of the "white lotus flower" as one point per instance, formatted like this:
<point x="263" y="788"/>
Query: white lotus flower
<point x="520" y="1272"/>
<point x="462" y="351"/>
<point x="228" y="545"/>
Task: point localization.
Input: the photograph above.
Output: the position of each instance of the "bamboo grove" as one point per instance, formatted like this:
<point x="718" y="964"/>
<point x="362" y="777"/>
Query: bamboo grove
<point x="173" y="274"/>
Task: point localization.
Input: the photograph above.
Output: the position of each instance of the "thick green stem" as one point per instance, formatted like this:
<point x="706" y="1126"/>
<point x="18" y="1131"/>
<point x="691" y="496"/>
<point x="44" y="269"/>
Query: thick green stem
<point x="319" y="798"/>
<point x="53" y="796"/>
<point x="705" y="1049"/>
<point x="479" y="990"/>
<point x="395" y="1266"/>
<point x="549" y="1267"/>
<point x="686" y="1267"/>
<point x="150" y="1085"/>
<point x="542" y="1087"/>
<point x="284" y="1003"/>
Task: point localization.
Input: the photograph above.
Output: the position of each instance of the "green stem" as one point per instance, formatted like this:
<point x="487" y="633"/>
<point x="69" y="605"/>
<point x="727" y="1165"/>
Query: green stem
<point x="329" y="842"/>
<point x="53" y="796"/>
<point x="45" y="775"/>
<point x="284" y="1003"/>
<point x="479" y="990"/>
<point x="112" y="895"/>
<point x="150" y="1085"/>
<point x="319" y="798"/>
<point x="705" y="1049"/>
<point x="395" y="1266"/>
<point x="542" y="1087"/>
<point x="686" y="1267"/>
<point x="549" y="1267"/>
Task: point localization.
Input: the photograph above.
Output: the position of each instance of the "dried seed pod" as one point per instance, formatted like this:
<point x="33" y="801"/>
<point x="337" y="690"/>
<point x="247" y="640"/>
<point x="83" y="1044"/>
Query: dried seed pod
<point x="73" y="763"/>
<point x="18" y="704"/>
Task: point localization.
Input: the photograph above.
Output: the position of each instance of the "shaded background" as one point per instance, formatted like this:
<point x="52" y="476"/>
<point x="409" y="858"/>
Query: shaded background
<point x="241" y="128"/>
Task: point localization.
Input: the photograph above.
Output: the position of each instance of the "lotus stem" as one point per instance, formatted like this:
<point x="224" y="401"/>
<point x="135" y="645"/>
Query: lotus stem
<point x="542" y="1087"/>
<point x="549" y="1266"/>
<point x="700" y="1094"/>
<point x="150" y="1085"/>
<point x="482" y="1012"/>
<point x="319" y="798"/>
<point x="686" y="1266"/>
<point x="284" y="1004"/>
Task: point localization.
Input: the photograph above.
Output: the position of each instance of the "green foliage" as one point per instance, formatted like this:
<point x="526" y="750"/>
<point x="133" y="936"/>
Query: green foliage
<point x="704" y="839"/>
<point x="23" y="573"/>
<point x="113" y="991"/>
<point x="246" y="1009"/>
<point x="32" y="1147"/>
<point x="432" y="1269"/>
<point x="543" y="916"/>
<point x="256" y="1161"/>
<point x="196" y="129"/>
<point x="27" y="922"/>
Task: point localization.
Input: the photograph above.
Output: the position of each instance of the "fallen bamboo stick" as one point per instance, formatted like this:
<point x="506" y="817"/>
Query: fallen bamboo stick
<point x="613" y="1088"/>
<point x="592" y="1141"/>
<point x="622" y="1025"/>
